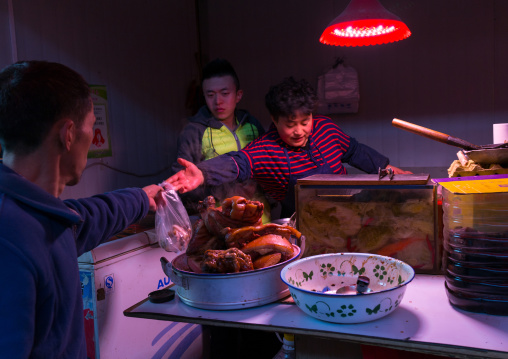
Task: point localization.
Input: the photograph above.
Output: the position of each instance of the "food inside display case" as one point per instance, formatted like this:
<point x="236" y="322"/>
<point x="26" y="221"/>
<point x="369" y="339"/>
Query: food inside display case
<point x="361" y="213"/>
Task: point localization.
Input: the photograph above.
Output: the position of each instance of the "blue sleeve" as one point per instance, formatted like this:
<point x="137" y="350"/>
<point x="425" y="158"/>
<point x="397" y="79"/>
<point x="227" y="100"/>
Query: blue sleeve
<point x="226" y="168"/>
<point x="106" y="214"/>
<point x="364" y="157"/>
<point x="244" y="165"/>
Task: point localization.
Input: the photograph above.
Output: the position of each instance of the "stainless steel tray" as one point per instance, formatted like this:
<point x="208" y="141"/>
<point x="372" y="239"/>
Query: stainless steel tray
<point x="231" y="290"/>
<point x="489" y="156"/>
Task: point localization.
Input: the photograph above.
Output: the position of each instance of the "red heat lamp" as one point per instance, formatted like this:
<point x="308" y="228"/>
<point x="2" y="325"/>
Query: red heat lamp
<point x="364" y="23"/>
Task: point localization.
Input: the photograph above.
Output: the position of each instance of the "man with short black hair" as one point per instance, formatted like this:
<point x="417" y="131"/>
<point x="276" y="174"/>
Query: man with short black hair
<point x="46" y="128"/>
<point x="218" y="128"/>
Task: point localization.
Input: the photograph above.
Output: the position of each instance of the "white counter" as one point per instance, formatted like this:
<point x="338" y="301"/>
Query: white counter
<point x="425" y="321"/>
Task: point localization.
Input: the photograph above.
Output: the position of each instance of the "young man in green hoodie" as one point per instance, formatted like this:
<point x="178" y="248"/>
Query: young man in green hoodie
<point x="218" y="128"/>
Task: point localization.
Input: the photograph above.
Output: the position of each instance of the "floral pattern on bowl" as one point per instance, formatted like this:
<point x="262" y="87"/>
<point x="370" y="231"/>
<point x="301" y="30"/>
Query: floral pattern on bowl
<point x="314" y="281"/>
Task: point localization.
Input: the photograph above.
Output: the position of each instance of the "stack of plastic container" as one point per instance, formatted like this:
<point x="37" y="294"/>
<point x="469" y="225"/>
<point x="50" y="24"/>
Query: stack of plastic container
<point x="475" y="249"/>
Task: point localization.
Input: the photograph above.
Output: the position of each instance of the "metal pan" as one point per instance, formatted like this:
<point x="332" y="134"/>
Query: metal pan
<point x="489" y="156"/>
<point x="229" y="290"/>
<point x="485" y="154"/>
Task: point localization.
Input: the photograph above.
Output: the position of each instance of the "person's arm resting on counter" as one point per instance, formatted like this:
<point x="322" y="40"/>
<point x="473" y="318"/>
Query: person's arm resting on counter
<point x="368" y="159"/>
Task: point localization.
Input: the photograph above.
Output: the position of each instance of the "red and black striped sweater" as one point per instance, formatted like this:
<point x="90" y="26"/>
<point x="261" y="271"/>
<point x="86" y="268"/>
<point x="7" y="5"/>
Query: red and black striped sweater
<point x="264" y="159"/>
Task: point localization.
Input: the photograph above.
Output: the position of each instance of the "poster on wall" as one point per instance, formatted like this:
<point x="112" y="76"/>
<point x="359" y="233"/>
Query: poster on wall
<point x="101" y="143"/>
<point x="338" y="90"/>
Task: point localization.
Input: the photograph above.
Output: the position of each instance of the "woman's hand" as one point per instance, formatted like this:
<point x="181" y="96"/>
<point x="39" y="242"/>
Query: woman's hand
<point x="187" y="179"/>
<point x="398" y="171"/>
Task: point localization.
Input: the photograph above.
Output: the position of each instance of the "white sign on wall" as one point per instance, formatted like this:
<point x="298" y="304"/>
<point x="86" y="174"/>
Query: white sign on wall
<point x="101" y="143"/>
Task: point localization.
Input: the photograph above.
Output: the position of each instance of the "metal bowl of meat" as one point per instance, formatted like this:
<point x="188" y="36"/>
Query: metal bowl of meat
<point x="232" y="260"/>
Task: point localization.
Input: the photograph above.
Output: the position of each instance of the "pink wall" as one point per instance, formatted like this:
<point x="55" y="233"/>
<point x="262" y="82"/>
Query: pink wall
<point x="449" y="75"/>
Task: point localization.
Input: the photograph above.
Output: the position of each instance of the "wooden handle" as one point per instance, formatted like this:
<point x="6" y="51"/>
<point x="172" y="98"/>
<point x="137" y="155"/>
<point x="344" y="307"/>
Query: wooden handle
<point x="434" y="135"/>
<point x="422" y="131"/>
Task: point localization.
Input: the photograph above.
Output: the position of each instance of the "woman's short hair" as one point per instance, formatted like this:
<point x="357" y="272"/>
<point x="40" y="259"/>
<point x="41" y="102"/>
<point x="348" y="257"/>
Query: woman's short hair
<point x="289" y="97"/>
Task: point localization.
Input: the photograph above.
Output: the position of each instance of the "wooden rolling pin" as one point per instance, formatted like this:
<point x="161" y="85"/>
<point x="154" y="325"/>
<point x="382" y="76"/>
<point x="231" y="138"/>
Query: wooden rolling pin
<point x="434" y="135"/>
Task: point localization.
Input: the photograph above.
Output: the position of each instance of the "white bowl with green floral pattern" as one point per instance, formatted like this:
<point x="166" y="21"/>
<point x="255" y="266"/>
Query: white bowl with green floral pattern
<point x="314" y="281"/>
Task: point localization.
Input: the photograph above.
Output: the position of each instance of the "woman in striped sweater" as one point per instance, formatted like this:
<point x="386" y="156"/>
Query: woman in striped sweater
<point x="296" y="145"/>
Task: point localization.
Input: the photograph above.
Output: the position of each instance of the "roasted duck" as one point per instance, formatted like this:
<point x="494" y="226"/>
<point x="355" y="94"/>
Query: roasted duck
<point x="231" y="238"/>
<point x="231" y="260"/>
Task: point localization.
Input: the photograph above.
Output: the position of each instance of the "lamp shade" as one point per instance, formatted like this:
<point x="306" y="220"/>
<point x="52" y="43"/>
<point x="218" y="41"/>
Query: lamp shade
<point x="363" y="23"/>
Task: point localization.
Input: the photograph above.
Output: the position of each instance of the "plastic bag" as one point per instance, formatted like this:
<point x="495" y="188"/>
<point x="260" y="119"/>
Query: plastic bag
<point x="172" y="224"/>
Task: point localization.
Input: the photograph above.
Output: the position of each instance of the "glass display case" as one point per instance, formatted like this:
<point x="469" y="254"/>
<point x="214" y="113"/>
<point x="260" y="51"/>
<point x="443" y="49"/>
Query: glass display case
<point x="396" y="217"/>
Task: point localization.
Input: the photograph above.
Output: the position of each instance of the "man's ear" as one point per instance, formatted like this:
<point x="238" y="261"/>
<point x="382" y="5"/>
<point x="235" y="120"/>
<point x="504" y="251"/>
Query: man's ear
<point x="67" y="133"/>
<point x="239" y="95"/>
<point x="273" y="119"/>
